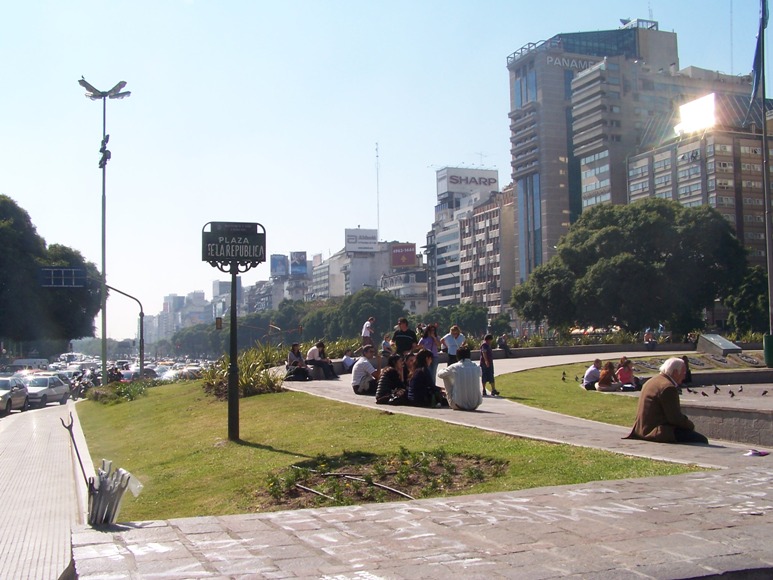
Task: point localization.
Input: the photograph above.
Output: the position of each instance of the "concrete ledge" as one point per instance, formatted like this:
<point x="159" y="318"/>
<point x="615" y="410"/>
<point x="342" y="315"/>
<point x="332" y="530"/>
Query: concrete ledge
<point x="752" y="426"/>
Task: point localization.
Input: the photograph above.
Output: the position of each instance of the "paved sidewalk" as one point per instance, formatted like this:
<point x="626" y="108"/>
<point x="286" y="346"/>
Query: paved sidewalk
<point x="694" y="525"/>
<point x="42" y="496"/>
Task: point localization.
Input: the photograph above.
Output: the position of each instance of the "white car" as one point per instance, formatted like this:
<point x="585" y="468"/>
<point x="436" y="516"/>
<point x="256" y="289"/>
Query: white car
<point x="13" y="395"/>
<point x="44" y="388"/>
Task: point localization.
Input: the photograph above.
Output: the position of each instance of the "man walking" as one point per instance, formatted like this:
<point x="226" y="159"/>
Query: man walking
<point x="367" y="331"/>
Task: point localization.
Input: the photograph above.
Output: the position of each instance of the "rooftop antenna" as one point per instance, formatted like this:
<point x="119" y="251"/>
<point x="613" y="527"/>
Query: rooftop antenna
<point x="731" y="37"/>
<point x="378" y="211"/>
<point x="649" y="5"/>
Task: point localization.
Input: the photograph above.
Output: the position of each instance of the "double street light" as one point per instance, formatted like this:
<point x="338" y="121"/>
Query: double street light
<point x="94" y="94"/>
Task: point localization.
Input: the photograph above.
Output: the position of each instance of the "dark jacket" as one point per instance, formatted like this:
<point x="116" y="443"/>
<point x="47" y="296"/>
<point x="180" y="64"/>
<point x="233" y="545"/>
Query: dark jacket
<point x="389" y="381"/>
<point x="421" y="387"/>
<point x="659" y="412"/>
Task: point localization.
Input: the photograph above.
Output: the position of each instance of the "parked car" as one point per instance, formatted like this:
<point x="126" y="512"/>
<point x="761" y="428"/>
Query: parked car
<point x="13" y="395"/>
<point x="43" y="388"/>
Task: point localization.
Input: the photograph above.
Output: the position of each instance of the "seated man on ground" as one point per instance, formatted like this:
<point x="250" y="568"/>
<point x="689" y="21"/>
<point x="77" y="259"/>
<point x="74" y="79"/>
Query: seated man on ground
<point x="364" y="374"/>
<point x="659" y="416"/>
<point x="502" y="345"/>
<point x="591" y="376"/>
<point x="461" y="380"/>
<point x="391" y="388"/>
<point x="316" y="357"/>
<point x="348" y="361"/>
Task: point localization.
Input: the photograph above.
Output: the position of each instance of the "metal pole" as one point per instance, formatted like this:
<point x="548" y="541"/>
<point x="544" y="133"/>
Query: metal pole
<point x="142" y="329"/>
<point x="233" y="367"/>
<point x="104" y="259"/>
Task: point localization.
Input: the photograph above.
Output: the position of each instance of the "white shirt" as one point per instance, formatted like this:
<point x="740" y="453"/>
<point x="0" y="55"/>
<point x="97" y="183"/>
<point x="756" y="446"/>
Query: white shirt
<point x="452" y="344"/>
<point x="462" y="382"/>
<point x="361" y="369"/>
<point x="367" y="329"/>
<point x="313" y="354"/>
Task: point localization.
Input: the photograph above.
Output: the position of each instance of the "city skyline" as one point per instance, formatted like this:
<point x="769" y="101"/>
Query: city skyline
<point x="271" y="113"/>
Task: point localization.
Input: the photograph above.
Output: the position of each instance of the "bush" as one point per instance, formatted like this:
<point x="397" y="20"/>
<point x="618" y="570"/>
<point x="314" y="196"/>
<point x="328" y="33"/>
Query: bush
<point x="115" y="393"/>
<point x="256" y="372"/>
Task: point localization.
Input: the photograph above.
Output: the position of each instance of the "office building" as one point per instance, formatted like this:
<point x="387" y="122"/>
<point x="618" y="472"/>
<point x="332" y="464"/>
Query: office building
<point x="718" y="164"/>
<point x="458" y="189"/>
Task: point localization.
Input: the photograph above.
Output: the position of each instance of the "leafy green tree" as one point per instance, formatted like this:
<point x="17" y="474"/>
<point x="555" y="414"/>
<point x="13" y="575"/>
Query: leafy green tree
<point x="748" y="305"/>
<point x="30" y="311"/>
<point x="636" y="265"/>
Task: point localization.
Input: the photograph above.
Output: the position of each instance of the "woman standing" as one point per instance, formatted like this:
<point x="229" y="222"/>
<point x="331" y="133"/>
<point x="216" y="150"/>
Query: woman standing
<point x="429" y="341"/>
<point x="452" y="341"/>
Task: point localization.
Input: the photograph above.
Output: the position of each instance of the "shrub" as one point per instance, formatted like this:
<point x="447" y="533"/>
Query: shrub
<point x="256" y="374"/>
<point x="115" y="393"/>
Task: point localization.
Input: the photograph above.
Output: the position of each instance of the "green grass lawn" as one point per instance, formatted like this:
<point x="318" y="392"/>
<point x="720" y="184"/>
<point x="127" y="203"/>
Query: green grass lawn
<point x="543" y="388"/>
<point x="175" y="442"/>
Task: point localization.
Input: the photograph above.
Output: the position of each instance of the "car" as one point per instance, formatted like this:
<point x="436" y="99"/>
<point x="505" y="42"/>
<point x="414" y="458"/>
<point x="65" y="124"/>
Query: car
<point x="13" y="395"/>
<point x="44" y="388"/>
<point x="134" y="375"/>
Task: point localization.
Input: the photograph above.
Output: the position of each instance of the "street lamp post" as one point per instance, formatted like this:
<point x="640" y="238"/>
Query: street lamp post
<point x="95" y="94"/>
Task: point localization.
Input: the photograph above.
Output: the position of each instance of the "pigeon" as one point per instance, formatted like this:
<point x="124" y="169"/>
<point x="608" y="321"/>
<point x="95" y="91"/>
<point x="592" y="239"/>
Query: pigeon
<point x="716" y="389"/>
<point x="563" y="379"/>
<point x="704" y="393"/>
<point x="764" y="393"/>
<point x="576" y="378"/>
<point x="740" y="389"/>
<point x="563" y="374"/>
<point x="689" y="390"/>
<point x="732" y="394"/>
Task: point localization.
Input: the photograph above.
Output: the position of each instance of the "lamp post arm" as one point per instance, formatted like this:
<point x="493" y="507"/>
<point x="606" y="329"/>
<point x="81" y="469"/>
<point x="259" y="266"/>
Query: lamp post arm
<point x="142" y="329"/>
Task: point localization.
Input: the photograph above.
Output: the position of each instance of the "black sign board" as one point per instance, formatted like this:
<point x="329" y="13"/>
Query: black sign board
<point x="233" y="242"/>
<point x="62" y="277"/>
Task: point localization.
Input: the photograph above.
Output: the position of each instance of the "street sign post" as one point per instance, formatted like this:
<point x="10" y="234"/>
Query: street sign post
<point x="233" y="247"/>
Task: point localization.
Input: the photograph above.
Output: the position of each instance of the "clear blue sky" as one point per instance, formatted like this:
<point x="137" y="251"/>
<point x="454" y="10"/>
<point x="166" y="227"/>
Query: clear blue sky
<point x="269" y="112"/>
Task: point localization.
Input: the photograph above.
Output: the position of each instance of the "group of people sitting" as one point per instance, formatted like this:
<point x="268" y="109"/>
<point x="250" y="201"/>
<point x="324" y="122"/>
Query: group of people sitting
<point x="610" y="378"/>
<point x="298" y="366"/>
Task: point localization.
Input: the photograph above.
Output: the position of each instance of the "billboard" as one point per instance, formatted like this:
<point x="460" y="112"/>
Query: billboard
<point x="402" y="255"/>
<point x="298" y="264"/>
<point x="360" y="240"/>
<point x="279" y="265"/>
<point x="462" y="180"/>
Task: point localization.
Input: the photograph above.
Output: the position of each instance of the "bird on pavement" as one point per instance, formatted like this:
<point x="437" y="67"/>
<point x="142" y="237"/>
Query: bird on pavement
<point x="764" y="393"/>
<point x="704" y="393"/>
<point x="689" y="390"/>
<point x="716" y="389"/>
<point x="732" y="394"/>
<point x="740" y="389"/>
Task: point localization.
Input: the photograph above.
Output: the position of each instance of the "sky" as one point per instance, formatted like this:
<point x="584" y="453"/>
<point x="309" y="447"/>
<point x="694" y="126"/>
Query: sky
<point x="270" y="112"/>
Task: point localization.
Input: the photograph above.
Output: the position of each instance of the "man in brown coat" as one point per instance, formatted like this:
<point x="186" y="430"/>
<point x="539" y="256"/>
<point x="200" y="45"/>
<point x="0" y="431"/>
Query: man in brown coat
<point x="659" y="416"/>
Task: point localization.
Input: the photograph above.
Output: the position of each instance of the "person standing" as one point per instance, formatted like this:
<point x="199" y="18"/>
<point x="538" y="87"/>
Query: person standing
<point x="367" y="331"/>
<point x="404" y="338"/>
<point x="431" y="342"/>
<point x="659" y="415"/>
<point x="452" y="341"/>
<point x="487" y="365"/>
<point x="461" y="382"/>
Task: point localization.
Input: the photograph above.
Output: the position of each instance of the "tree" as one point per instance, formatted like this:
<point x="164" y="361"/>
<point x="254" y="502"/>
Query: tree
<point x="635" y="265"/>
<point x="30" y="311"/>
<point x="748" y="305"/>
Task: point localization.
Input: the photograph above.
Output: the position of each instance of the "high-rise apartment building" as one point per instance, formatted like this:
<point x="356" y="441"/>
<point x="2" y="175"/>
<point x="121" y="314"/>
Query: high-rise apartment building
<point x="545" y="170"/>
<point x="487" y="238"/>
<point x="458" y="189"/>
<point x="719" y="165"/>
